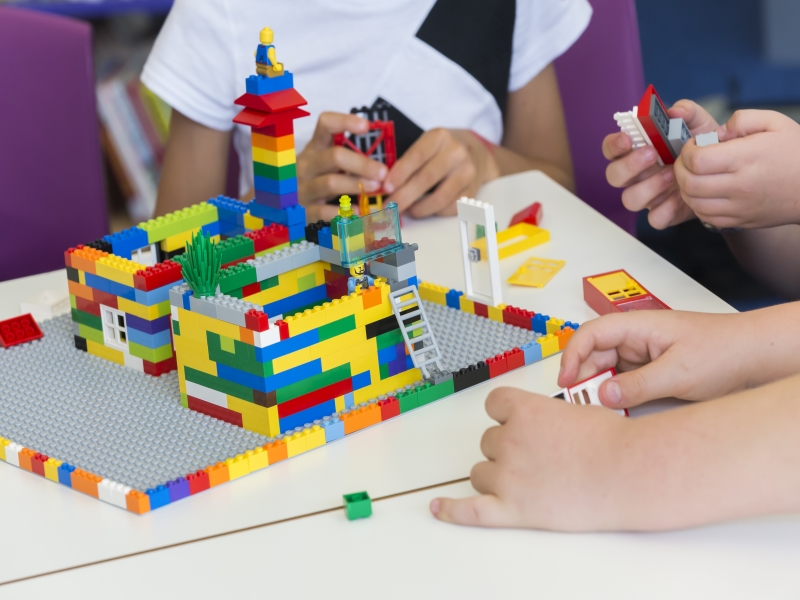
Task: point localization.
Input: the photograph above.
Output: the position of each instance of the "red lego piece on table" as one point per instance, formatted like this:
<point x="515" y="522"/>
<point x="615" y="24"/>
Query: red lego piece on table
<point x="157" y="276"/>
<point x="519" y="317"/>
<point x="389" y="408"/>
<point x="256" y="320"/>
<point x="497" y="366"/>
<point x="198" y="482"/>
<point x="37" y="463"/>
<point x="652" y="114"/>
<point x="269" y="236"/>
<point x="532" y="215"/>
<point x="481" y="310"/>
<point x="283" y="328"/>
<point x="515" y="359"/>
<point x="19" y="330"/>
<point x="631" y="295"/>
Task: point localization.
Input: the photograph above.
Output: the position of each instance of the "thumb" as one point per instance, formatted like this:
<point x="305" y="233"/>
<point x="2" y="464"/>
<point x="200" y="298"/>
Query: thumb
<point x="695" y="116"/>
<point x="652" y="381"/>
<point x="746" y="122"/>
<point x="486" y="510"/>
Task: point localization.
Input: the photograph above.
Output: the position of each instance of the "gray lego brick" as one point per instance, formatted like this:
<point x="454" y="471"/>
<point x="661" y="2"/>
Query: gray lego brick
<point x="406" y="271"/>
<point x="203" y="306"/>
<point x="379" y="269"/>
<point x="330" y="256"/>
<point x="176" y="294"/>
<point x="678" y="135"/>
<point x="402" y="257"/>
<point x="108" y="419"/>
<point x="305" y="253"/>
<point x="707" y="139"/>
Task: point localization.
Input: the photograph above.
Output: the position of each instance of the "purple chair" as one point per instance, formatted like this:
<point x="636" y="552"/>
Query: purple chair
<point x="51" y="179"/>
<point x="598" y="76"/>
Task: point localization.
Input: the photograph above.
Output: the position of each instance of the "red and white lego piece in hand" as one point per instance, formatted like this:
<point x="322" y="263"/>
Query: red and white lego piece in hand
<point x="588" y="391"/>
<point x="19" y="330"/>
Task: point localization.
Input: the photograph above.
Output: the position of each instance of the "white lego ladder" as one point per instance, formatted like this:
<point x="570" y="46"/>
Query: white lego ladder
<point x="429" y="353"/>
<point x="629" y="123"/>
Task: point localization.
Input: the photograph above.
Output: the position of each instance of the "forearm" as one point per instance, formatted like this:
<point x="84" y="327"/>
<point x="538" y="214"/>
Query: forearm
<point x="725" y="459"/>
<point x="770" y="255"/>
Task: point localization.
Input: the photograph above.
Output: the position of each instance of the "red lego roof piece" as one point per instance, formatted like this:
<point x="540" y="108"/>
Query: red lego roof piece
<point x="532" y="215"/>
<point x="19" y="330"/>
<point x="257" y="118"/>
<point x="274" y="102"/>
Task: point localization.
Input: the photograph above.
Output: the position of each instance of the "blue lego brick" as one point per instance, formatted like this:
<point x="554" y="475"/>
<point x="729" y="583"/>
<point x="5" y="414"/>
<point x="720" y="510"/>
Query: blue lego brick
<point x="283" y="186"/>
<point x="315" y="294"/>
<point x="124" y="242"/>
<point x="539" y="323"/>
<point x="65" y="474"/>
<point x="387" y="355"/>
<point x="451" y="298"/>
<point x="273" y="309"/>
<point x="532" y="352"/>
<point x="154" y="296"/>
<point x="159" y="496"/>
<point x="413" y="281"/>
<point x="308" y="415"/>
<point x="148" y="327"/>
<point x="571" y="325"/>
<point x="334" y="428"/>
<point x="162" y="338"/>
<point x="326" y="238"/>
<point x="97" y="283"/>
<point x="292" y="215"/>
<point x="186" y="295"/>
<point x="123" y="291"/>
<point x="261" y="84"/>
<point x="179" y="488"/>
<point x="349" y="400"/>
<point x="276" y="201"/>
<point x="211" y="229"/>
<point x="230" y="209"/>
<point x="270" y="384"/>
<point x="287" y="346"/>
<point x="361" y="380"/>
<point x="230" y="229"/>
<point x="297" y="233"/>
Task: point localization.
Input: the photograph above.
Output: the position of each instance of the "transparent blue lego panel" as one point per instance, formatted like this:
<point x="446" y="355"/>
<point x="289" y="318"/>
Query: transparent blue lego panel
<point x="366" y="238"/>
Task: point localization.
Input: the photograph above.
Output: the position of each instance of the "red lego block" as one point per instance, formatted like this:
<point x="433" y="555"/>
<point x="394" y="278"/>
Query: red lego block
<point x="336" y="290"/>
<point x="37" y="463"/>
<point x="283" y="328"/>
<point x="389" y="408"/>
<point x="19" y="330"/>
<point x="272" y="102"/>
<point x="532" y="214"/>
<point x="257" y="119"/>
<point x="269" y="236"/>
<point x="68" y="257"/>
<point x="652" y="114"/>
<point x="519" y="317"/>
<point x="198" y="482"/>
<point x="497" y="366"/>
<point x="157" y="276"/>
<point x="256" y="320"/>
<point x="159" y="368"/>
<point x="104" y="298"/>
<point x="603" y="305"/>
<point x="334" y="277"/>
<point x="515" y="359"/>
<point x="334" y="390"/>
<point x="481" y="310"/>
<point x="87" y="306"/>
<point x="212" y="410"/>
<point x="250" y="289"/>
<point x="276" y="130"/>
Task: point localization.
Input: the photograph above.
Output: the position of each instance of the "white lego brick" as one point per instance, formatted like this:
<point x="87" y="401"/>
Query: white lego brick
<point x="173" y="311"/>
<point x="46" y="304"/>
<point x="113" y="493"/>
<point x="707" y="139"/>
<point x="628" y="123"/>
<point x="133" y="362"/>
<point x="262" y="339"/>
<point x="203" y="393"/>
<point x="12" y="453"/>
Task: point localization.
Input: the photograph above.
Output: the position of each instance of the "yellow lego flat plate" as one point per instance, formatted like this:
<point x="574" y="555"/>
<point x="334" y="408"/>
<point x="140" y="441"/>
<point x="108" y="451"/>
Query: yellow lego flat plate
<point x="536" y="272"/>
<point x="617" y="286"/>
<point x="514" y="240"/>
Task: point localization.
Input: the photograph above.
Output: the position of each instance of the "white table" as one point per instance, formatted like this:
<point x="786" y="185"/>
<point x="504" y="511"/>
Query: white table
<point x="46" y="527"/>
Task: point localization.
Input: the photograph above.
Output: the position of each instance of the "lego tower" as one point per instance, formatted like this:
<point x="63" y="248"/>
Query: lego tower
<point x="271" y="104"/>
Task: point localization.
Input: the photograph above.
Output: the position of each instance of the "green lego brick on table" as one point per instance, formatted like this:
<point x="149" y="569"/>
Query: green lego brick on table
<point x="242" y="356"/>
<point x="357" y="506"/>
<point x="428" y="393"/>
<point x="236" y="277"/>
<point x="306" y="282"/>
<point x="215" y="383"/>
<point x="312" y="383"/>
<point x="90" y="333"/>
<point x="235" y="248"/>
<point x="268" y="283"/>
<point x="84" y="318"/>
<point x="337" y="327"/>
<point x="161" y="228"/>
<point x="273" y="172"/>
<point x="176" y="327"/>
<point x="390" y="338"/>
<point x="154" y="355"/>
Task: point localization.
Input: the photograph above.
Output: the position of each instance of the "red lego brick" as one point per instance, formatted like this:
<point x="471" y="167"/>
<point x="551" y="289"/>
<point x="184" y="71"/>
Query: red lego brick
<point x="198" y="482"/>
<point x="104" y="298"/>
<point x="37" y="463"/>
<point x="276" y="130"/>
<point x="532" y="214"/>
<point x="497" y="366"/>
<point x="272" y="102"/>
<point x="256" y="320"/>
<point x="159" y="368"/>
<point x="19" y="330"/>
<point x="269" y="236"/>
<point x="68" y="257"/>
<point x="389" y="408"/>
<point x="385" y="138"/>
<point x="212" y="410"/>
<point x="283" y="328"/>
<point x="652" y="114"/>
<point x="290" y="407"/>
<point x="257" y="119"/>
<point x="157" y="276"/>
<point x="250" y="289"/>
<point x="334" y="277"/>
<point x="87" y="306"/>
<point x="481" y="310"/>
<point x="515" y="359"/>
<point x="603" y="305"/>
<point x="519" y="317"/>
<point x="336" y="290"/>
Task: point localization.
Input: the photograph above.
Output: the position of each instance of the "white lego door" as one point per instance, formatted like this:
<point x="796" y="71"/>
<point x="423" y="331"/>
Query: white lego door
<point x="147" y="256"/>
<point x="115" y="329"/>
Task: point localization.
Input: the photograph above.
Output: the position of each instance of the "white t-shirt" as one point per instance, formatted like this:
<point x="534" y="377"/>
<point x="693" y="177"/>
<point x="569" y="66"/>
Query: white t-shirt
<point x="440" y="63"/>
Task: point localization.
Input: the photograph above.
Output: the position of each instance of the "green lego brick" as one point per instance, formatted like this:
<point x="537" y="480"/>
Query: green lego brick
<point x="152" y="354"/>
<point x="306" y="282"/>
<point x="176" y="327"/>
<point x="357" y="506"/>
<point x="180" y="221"/>
<point x="338" y="327"/>
<point x="273" y="172"/>
<point x="271" y="282"/>
<point x="236" y="248"/>
<point x="73" y="302"/>
<point x="408" y="400"/>
<point x="236" y="277"/>
<point x="390" y="338"/>
<point x="237" y="293"/>
<point x="184" y="400"/>
<point x="84" y="318"/>
<point x="315" y="382"/>
<point x="240" y="356"/>
<point x="90" y="333"/>
<point x="430" y="393"/>
<point x="384" y="370"/>
<point x="221" y="385"/>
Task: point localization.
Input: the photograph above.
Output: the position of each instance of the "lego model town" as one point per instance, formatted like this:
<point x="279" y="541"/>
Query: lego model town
<point x="229" y="336"/>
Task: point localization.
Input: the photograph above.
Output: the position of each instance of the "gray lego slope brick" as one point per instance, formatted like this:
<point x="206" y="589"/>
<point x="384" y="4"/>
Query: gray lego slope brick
<point x="130" y="427"/>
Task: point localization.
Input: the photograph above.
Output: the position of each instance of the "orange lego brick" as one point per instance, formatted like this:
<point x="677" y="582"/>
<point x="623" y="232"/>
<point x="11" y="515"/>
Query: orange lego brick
<point x="563" y="337"/>
<point x="246" y="335"/>
<point x="84" y="259"/>
<point x="371" y="297"/>
<point x="277" y="451"/>
<point x="79" y="290"/>
<point x="85" y="482"/>
<point x="25" y="457"/>
<point x="217" y="474"/>
<point x="137" y="502"/>
<point x="361" y="418"/>
<point x="276" y="144"/>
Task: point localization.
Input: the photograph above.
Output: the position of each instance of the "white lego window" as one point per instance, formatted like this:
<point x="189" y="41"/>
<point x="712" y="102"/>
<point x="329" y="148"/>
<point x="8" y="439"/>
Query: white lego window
<point x="115" y="330"/>
<point x="147" y="256"/>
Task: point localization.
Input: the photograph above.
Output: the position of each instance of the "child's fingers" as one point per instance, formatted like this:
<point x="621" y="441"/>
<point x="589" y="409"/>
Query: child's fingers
<point x="697" y="118"/>
<point x="338" y="158"/>
<point x="330" y="186"/>
<point x="748" y="122"/>
<point x="658" y="379"/>
<point x="616" y="145"/>
<point x="431" y="173"/>
<point x="447" y="192"/>
<point x="415" y="157"/>
<point x="315" y="212"/>
<point x="639" y="195"/>
<point x="710" y="160"/>
<point x="481" y="511"/>
<point x="331" y="122"/>
<point x="606" y="333"/>
<point x="621" y="172"/>
<point x="671" y="211"/>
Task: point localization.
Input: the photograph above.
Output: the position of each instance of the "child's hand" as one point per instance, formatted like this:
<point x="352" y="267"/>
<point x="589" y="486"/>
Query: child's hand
<point x="551" y="465"/>
<point x="749" y="180"/>
<point x="455" y="162"/>
<point x="326" y="171"/>
<point x="648" y="185"/>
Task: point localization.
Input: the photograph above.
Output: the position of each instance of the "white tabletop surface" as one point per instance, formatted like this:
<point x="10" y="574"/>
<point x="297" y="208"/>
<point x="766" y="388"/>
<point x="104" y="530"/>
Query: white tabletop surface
<point x="46" y="527"/>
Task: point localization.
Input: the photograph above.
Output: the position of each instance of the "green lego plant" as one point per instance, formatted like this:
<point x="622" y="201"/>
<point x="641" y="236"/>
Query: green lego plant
<point x="201" y="265"/>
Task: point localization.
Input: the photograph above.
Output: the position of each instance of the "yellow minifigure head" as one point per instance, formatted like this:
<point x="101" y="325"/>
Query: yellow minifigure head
<point x="266" y="36"/>
<point x="358" y="270"/>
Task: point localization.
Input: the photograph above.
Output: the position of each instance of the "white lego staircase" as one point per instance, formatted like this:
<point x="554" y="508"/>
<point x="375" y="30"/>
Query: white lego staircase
<point x="428" y="353"/>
